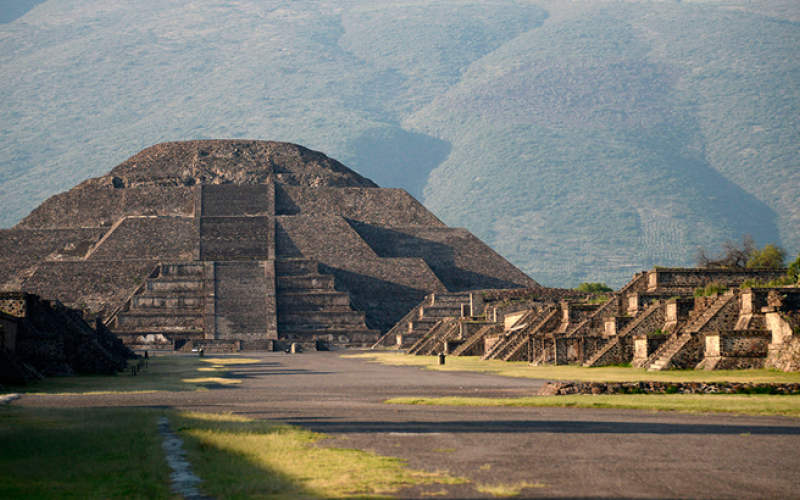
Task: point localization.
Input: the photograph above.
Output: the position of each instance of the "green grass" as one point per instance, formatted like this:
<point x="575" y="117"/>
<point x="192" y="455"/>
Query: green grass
<point x="577" y="373"/>
<point x="759" y="405"/>
<point x="242" y="458"/>
<point x="163" y="373"/>
<point x="87" y="453"/>
<point x="98" y="453"/>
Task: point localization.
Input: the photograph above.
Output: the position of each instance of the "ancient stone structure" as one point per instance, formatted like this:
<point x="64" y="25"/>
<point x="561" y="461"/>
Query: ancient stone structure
<point x="242" y="245"/>
<point x="39" y="338"/>
<point x="654" y="322"/>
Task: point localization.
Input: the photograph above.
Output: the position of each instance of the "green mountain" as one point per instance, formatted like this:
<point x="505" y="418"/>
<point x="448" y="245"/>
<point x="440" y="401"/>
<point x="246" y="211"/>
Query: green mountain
<point x="584" y="140"/>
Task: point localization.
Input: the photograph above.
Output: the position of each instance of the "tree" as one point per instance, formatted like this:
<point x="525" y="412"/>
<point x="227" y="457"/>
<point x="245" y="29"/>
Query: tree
<point x="732" y="255"/>
<point x="747" y="255"/>
<point x="769" y="256"/>
<point x="794" y="269"/>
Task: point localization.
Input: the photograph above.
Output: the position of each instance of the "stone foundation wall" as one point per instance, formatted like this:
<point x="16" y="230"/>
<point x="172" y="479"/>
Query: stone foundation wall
<point x="680" y="278"/>
<point x="751" y="343"/>
<point x="785" y="357"/>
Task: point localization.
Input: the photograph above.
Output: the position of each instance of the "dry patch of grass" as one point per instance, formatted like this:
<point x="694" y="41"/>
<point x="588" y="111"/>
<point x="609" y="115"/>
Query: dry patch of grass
<point x="97" y="453"/>
<point x="748" y="404"/>
<point x="521" y="369"/>
<point x="506" y="490"/>
<point x="242" y="458"/>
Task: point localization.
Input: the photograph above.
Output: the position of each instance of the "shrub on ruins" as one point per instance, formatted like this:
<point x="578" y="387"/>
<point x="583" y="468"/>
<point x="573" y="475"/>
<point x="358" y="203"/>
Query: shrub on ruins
<point x="710" y="289"/>
<point x="595" y="288"/>
<point x="744" y="255"/>
<point x="794" y="270"/>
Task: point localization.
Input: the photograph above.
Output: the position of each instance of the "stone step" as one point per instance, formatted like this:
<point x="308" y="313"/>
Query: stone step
<point x="182" y="269"/>
<point x="295" y="267"/>
<point x="321" y="319"/>
<point x="166" y="333"/>
<point x="444" y="300"/>
<point x="309" y="282"/>
<point x="174" y="286"/>
<point x="440" y="311"/>
<point x="364" y="335"/>
<point x="313" y="300"/>
<point x="137" y="320"/>
<point x="170" y="301"/>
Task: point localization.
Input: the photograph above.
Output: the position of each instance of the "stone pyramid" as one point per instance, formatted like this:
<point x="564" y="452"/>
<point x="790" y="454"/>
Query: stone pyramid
<point x="251" y="244"/>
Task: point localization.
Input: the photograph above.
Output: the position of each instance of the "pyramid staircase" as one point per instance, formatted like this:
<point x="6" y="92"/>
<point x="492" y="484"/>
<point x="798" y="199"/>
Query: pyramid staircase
<point x="664" y="357"/>
<point x="433" y="341"/>
<point x="513" y="346"/>
<point x="167" y="311"/>
<point x="422" y="318"/>
<point x="618" y="341"/>
<point x="474" y="344"/>
<point x="310" y="310"/>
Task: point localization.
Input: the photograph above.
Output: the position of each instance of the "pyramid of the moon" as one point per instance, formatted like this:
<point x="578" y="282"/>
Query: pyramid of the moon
<point x="245" y="242"/>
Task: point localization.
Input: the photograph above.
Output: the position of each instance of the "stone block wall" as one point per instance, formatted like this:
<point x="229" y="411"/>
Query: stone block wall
<point x="96" y="206"/>
<point x="687" y="279"/>
<point x="156" y="238"/>
<point x="236" y="200"/>
<point x="382" y="207"/>
<point x="748" y="343"/>
<point x="13" y="303"/>
<point x="459" y="259"/>
<point x="96" y="287"/>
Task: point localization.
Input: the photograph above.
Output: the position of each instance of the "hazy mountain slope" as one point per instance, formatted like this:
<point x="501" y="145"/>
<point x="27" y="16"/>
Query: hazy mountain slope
<point x="605" y="145"/>
<point x="583" y="140"/>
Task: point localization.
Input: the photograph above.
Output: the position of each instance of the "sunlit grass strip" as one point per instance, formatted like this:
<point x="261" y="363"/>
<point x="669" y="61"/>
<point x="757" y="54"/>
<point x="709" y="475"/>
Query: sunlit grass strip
<point x="521" y="369"/>
<point x="212" y="380"/>
<point x="241" y="458"/>
<point x="739" y="403"/>
<point x="98" y="453"/>
<point x="506" y="490"/>
<point x="230" y="361"/>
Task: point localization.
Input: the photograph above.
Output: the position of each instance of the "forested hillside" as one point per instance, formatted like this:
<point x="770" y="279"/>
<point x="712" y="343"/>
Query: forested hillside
<point x="583" y="140"/>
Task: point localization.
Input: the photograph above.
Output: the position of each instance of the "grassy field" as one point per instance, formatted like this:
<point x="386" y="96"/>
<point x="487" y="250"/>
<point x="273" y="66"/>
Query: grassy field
<point x="102" y="453"/>
<point x="243" y="458"/>
<point x="89" y="453"/>
<point x="163" y="373"/>
<point x="578" y="373"/>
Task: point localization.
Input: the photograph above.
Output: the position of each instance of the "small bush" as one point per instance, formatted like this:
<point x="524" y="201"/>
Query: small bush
<point x="710" y="289"/>
<point x="596" y="288"/>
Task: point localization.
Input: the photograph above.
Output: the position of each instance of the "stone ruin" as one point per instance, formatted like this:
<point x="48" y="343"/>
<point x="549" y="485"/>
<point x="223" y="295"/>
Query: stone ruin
<point x="40" y="338"/>
<point x="655" y="322"/>
<point x="242" y="245"/>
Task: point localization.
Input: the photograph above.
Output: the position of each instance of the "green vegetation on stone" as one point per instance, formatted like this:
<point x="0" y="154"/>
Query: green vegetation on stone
<point x="597" y="288"/>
